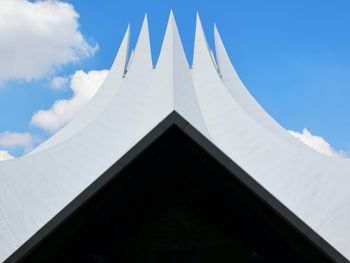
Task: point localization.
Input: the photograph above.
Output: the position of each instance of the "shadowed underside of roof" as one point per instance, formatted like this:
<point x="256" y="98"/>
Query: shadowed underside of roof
<point x="135" y="98"/>
<point x="175" y="195"/>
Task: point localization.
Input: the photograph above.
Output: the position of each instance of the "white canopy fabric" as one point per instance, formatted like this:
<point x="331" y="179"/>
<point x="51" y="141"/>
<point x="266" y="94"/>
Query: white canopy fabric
<point x="133" y="99"/>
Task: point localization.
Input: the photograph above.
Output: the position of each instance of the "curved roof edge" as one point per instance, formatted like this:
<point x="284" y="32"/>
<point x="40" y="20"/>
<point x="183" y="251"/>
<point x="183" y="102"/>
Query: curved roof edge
<point x="36" y="187"/>
<point x="176" y="120"/>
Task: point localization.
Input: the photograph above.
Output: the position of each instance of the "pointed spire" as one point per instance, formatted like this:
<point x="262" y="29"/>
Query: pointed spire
<point x="142" y="57"/>
<point x="120" y="62"/>
<point x="225" y="66"/>
<point x="121" y="58"/>
<point x="172" y="61"/>
<point x="221" y="53"/>
<point x="109" y="87"/>
<point x="172" y="43"/>
<point x="222" y="59"/>
<point x="241" y="94"/>
<point x="143" y="39"/>
<point x="201" y="51"/>
<point x="172" y="82"/>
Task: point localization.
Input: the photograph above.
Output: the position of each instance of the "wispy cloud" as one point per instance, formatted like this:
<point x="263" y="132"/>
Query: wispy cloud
<point x="5" y="155"/>
<point x="37" y="37"/>
<point x="59" y="82"/>
<point x="14" y="139"/>
<point x="317" y="143"/>
<point x="84" y="86"/>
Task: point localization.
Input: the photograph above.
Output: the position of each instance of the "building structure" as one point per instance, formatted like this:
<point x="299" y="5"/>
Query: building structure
<point x="174" y="164"/>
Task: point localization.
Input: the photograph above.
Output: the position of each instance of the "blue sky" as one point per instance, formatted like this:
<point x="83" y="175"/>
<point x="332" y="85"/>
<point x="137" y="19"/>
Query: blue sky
<point x="294" y="57"/>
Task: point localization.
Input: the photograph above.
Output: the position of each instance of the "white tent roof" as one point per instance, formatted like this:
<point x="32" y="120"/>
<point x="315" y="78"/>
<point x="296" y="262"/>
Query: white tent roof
<point x="132" y="101"/>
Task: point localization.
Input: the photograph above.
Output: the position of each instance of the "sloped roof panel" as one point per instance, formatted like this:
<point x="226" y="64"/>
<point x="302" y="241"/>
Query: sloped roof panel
<point x="36" y="187"/>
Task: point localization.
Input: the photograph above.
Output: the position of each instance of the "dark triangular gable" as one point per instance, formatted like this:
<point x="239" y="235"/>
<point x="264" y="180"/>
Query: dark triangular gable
<point x="173" y="175"/>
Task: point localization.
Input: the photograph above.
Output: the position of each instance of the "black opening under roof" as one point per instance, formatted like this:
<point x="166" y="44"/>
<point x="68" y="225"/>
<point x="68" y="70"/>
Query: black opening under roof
<point x="176" y="198"/>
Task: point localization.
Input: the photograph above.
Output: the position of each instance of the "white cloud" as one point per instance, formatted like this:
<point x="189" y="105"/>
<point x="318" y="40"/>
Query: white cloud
<point x="59" y="82"/>
<point x="4" y="155"/>
<point x="37" y="37"/>
<point x="14" y="139"/>
<point x="84" y="87"/>
<point x="316" y="142"/>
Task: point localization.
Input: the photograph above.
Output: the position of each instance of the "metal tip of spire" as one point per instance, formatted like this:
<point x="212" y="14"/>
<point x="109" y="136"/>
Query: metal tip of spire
<point x="197" y="16"/>
<point x="172" y="44"/>
<point x="142" y="51"/>
<point x="199" y="23"/>
<point x="171" y="17"/>
<point x="127" y="31"/>
<point x="216" y="30"/>
<point x="171" y="26"/>
<point x="145" y="20"/>
<point x="199" y="27"/>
